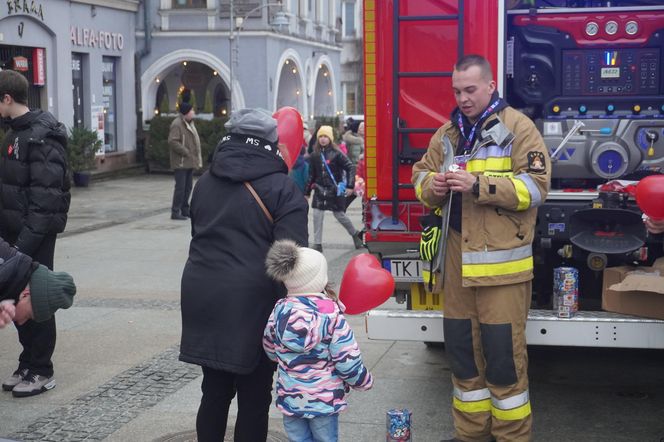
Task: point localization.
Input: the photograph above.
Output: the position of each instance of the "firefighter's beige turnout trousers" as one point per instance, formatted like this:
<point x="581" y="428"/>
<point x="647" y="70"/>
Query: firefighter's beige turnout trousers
<point x="485" y="340"/>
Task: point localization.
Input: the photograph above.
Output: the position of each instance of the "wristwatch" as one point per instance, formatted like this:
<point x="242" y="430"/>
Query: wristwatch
<point x="476" y="187"/>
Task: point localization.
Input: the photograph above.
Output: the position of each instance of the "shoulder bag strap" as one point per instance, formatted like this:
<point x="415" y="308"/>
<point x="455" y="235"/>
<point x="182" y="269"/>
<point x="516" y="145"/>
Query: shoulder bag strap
<point x="328" y="168"/>
<point x="259" y="201"/>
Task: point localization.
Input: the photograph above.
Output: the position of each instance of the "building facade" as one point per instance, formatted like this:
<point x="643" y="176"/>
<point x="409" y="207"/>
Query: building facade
<point x="352" y="60"/>
<point x="111" y="65"/>
<point x="274" y="55"/>
<point x="78" y="57"/>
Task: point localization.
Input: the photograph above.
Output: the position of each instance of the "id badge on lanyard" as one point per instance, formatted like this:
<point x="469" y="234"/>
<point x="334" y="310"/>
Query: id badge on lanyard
<point x="461" y="161"/>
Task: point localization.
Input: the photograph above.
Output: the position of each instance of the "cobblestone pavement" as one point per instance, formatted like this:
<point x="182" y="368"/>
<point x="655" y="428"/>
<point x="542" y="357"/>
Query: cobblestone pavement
<point x="101" y="412"/>
<point x="119" y="379"/>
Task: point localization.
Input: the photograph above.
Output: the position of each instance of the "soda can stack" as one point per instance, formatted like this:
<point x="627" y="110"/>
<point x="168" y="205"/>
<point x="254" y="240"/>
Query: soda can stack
<point x="398" y="425"/>
<point x="565" y="291"/>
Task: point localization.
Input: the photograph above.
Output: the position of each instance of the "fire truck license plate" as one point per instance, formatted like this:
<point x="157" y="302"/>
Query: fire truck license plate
<point x="404" y="270"/>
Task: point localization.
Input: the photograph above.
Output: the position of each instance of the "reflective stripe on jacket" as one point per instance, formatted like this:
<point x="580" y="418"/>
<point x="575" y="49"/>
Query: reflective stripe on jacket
<point x="498" y="225"/>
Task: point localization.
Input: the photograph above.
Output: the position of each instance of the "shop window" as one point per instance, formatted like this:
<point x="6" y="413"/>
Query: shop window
<point x="7" y="56"/>
<point x="189" y="4"/>
<point x="77" y="89"/>
<point x="109" y="98"/>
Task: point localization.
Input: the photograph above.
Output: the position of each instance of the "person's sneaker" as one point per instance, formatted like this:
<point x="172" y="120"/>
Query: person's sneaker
<point x="317" y="247"/>
<point x="357" y="240"/>
<point x="15" y="379"/>
<point x="33" y="384"/>
<point x="178" y="217"/>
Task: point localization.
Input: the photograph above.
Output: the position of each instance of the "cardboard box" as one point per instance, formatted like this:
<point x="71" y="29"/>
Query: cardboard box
<point x="635" y="291"/>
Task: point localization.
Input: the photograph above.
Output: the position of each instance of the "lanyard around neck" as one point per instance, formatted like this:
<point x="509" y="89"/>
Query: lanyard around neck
<point x="471" y="137"/>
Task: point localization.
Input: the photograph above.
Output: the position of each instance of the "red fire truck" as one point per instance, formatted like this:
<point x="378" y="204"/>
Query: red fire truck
<point x="592" y="80"/>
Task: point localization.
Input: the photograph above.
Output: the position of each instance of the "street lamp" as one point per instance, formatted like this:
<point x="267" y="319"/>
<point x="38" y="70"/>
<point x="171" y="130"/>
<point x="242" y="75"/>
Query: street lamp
<point x="279" y="20"/>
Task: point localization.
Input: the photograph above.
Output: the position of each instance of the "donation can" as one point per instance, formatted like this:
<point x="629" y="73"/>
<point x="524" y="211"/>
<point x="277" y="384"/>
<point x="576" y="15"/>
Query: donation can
<point x="398" y="425"/>
<point x="565" y="291"/>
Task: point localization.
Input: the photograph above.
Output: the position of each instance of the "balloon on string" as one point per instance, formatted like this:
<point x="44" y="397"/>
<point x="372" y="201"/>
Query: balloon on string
<point x="365" y="284"/>
<point x="650" y="196"/>
<point x="290" y="129"/>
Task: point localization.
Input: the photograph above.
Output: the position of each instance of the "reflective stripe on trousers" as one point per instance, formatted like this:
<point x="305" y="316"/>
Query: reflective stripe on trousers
<point x="513" y="408"/>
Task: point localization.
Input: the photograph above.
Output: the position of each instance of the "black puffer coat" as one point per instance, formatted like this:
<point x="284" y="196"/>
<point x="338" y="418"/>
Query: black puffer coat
<point x="325" y="191"/>
<point x="226" y="295"/>
<point x="15" y="271"/>
<point x="34" y="184"/>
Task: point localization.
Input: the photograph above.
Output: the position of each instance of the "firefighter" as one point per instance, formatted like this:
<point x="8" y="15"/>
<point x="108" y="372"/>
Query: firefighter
<point x="502" y="174"/>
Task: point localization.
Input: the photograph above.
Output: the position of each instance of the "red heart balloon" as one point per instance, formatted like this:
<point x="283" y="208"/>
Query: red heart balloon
<point x="365" y="284"/>
<point x="291" y="133"/>
<point x="650" y="196"/>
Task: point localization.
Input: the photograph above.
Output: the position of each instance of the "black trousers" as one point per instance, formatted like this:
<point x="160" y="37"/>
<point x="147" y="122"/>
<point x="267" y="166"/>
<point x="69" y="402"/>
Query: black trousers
<point x="38" y="338"/>
<point x="254" y="396"/>
<point x="182" y="191"/>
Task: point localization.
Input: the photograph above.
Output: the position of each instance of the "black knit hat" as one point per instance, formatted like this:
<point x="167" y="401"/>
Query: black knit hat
<point x="50" y="291"/>
<point x="185" y="108"/>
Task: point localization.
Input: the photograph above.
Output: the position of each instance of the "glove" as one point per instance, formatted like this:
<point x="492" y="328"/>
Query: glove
<point x="341" y="189"/>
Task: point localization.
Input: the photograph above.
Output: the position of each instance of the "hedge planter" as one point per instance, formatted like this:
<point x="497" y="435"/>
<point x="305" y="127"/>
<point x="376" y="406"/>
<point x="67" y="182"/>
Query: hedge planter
<point x="81" y="179"/>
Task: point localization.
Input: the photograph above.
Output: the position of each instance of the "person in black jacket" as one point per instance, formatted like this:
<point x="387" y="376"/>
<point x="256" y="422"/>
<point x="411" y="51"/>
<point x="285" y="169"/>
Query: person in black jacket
<point x="30" y="291"/>
<point x="226" y="296"/>
<point x="34" y="201"/>
<point x="329" y="167"/>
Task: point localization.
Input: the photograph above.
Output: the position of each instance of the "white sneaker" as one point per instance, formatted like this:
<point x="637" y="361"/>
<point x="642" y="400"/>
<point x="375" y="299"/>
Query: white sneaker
<point x="33" y="384"/>
<point x="15" y="379"/>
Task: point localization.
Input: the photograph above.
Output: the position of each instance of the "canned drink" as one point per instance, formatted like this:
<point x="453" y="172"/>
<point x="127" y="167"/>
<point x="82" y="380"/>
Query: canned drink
<point x="398" y="425"/>
<point x="565" y="291"/>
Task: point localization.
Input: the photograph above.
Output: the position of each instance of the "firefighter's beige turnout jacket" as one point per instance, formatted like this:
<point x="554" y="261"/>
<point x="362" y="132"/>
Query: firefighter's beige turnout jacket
<point x="498" y="226"/>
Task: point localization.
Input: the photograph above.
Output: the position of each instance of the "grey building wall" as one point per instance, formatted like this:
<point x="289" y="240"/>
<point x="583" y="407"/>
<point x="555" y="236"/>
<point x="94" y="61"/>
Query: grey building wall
<point x="49" y="25"/>
<point x="203" y="35"/>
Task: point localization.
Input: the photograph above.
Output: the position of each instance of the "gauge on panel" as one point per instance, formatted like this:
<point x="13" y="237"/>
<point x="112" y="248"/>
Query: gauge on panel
<point x="592" y="28"/>
<point x="611" y="27"/>
<point x="631" y="27"/>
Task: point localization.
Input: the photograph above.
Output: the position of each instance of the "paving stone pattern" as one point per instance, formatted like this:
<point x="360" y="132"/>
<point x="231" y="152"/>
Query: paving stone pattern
<point x="103" y="411"/>
<point x="146" y="304"/>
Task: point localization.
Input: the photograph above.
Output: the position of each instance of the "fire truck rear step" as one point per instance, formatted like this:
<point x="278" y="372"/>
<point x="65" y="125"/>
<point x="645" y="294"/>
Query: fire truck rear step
<point x="592" y="329"/>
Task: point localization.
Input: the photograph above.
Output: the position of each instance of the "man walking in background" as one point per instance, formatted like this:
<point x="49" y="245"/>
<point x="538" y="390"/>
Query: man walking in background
<point x="185" y="157"/>
<point x="34" y="201"/>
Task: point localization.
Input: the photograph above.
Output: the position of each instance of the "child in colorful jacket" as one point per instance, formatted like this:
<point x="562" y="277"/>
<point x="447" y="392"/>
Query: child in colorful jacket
<point x="308" y="336"/>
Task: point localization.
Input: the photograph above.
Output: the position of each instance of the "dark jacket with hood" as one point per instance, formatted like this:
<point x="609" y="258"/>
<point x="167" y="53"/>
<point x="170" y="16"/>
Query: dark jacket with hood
<point x="34" y="183"/>
<point x="15" y="271"/>
<point x="323" y="185"/>
<point x="227" y="296"/>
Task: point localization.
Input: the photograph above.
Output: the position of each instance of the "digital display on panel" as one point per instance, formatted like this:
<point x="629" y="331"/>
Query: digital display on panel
<point x="610" y="73"/>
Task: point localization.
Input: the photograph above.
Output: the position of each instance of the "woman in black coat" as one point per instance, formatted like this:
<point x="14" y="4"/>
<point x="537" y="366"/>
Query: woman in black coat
<point x="226" y="295"/>
<point x="329" y="167"/>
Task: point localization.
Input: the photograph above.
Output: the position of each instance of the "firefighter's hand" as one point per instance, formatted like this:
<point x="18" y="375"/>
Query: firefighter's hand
<point x="439" y="185"/>
<point x="655" y="225"/>
<point x="460" y="181"/>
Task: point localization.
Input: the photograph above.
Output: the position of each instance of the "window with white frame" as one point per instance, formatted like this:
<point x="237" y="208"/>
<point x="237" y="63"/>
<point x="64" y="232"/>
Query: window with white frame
<point x="320" y="12"/>
<point x="295" y="7"/>
<point x="348" y="11"/>
<point x="350" y="98"/>
<point x="189" y="4"/>
<point x="313" y="9"/>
